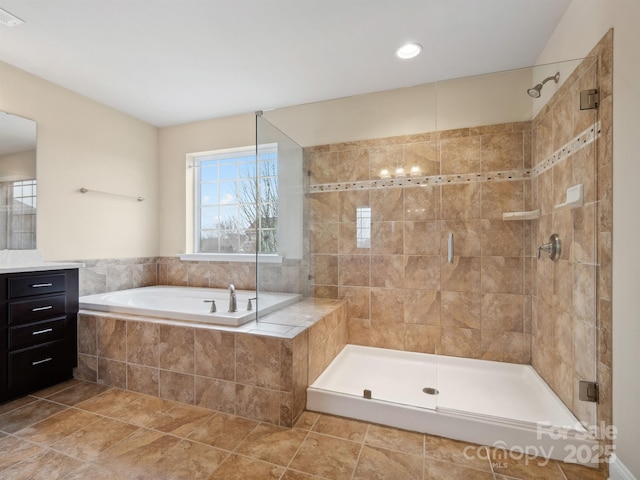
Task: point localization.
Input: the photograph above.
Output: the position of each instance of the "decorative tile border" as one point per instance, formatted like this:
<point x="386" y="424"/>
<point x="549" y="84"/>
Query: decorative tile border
<point x="579" y="142"/>
<point x="423" y="180"/>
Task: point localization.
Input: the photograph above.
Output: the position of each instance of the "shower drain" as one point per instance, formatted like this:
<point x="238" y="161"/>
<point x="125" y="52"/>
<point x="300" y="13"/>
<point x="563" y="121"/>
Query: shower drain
<point x="430" y="391"/>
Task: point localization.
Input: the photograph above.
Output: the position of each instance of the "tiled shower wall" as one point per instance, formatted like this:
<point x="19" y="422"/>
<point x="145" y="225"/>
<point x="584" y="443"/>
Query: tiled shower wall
<point x="401" y="292"/>
<point x="572" y="297"/>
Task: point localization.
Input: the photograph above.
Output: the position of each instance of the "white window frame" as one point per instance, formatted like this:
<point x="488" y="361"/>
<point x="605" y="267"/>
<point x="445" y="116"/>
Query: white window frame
<point x="193" y="162"/>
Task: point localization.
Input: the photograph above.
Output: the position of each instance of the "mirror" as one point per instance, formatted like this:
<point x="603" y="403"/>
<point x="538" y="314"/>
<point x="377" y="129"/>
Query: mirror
<point x="17" y="183"/>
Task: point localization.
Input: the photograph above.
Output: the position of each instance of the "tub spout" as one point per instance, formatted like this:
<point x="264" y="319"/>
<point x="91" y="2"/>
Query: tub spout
<point x="233" y="304"/>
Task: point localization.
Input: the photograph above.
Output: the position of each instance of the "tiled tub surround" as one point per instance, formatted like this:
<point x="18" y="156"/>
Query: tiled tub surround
<point x="290" y="276"/>
<point x="258" y="371"/>
<point x="112" y="274"/>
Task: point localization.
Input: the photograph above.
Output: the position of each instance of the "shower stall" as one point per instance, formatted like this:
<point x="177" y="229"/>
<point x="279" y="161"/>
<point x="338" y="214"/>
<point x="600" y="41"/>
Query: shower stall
<point x="423" y="209"/>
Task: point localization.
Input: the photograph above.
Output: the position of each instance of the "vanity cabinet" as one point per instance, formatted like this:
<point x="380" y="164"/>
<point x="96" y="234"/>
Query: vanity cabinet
<point x="38" y="331"/>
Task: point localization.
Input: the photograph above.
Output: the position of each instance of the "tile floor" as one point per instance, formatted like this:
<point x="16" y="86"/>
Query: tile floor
<point x="79" y="430"/>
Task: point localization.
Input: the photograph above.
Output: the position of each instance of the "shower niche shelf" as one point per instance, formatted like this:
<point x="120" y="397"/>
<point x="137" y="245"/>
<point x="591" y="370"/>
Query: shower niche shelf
<point x="574" y="198"/>
<point x="530" y="215"/>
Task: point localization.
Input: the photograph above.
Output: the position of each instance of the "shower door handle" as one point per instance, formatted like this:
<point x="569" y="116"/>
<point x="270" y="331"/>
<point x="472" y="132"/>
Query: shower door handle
<point x="450" y="248"/>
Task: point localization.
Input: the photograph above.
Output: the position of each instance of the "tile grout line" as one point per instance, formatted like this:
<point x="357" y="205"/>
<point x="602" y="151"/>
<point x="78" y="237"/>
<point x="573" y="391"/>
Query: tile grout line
<point x="493" y="473"/>
<point x="424" y="455"/>
<point x="364" y="440"/>
<point x="564" y="477"/>
<point x="301" y="443"/>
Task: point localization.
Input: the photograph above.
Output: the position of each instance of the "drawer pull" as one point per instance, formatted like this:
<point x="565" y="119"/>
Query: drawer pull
<point x="40" y="309"/>
<point x="42" y="361"/>
<point x="40" y="332"/>
<point x="40" y="285"/>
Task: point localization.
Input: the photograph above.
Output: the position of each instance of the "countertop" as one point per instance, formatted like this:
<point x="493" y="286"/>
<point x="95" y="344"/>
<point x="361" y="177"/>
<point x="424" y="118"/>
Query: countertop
<point x="38" y="267"/>
<point x="18" y="261"/>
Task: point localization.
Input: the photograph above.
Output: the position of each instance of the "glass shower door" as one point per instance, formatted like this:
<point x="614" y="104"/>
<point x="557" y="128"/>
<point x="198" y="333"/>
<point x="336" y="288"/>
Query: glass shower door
<point x="513" y="147"/>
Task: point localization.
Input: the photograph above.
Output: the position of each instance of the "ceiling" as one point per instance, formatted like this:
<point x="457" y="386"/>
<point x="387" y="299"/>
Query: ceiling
<point x="169" y="62"/>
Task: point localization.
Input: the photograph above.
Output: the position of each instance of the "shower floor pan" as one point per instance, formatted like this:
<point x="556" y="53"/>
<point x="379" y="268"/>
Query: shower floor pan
<point x="491" y="403"/>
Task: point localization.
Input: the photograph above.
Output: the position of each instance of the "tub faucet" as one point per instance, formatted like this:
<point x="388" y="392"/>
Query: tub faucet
<point x="213" y="305"/>
<point x="233" y="304"/>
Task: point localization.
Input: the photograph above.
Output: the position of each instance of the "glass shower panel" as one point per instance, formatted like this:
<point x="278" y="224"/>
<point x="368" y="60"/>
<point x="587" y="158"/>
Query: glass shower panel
<point x="373" y="227"/>
<point x="281" y="239"/>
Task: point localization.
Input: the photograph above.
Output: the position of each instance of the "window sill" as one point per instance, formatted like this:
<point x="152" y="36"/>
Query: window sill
<point x="230" y="257"/>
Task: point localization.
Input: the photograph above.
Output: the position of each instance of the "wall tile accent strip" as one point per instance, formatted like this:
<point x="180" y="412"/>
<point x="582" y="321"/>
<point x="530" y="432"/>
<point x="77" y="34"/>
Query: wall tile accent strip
<point x="423" y="180"/>
<point x="572" y="147"/>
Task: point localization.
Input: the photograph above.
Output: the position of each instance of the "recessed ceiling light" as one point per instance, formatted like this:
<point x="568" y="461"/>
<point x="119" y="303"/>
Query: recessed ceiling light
<point x="409" y="50"/>
<point x="9" y="20"/>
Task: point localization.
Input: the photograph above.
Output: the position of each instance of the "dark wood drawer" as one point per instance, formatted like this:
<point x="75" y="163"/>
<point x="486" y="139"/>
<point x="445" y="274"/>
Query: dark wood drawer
<point x="36" y="333"/>
<point x="41" y="284"/>
<point x="36" y="309"/>
<point x="34" y="367"/>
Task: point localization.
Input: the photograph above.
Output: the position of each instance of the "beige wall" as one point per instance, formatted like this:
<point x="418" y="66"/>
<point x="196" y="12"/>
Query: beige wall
<point x="582" y="25"/>
<point x="18" y="166"/>
<point x="173" y="146"/>
<point x="82" y="143"/>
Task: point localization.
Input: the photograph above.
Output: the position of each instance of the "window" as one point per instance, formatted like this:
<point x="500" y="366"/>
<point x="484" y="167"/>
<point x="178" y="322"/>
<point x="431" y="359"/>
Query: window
<point x="363" y="227"/>
<point x="233" y="208"/>
<point x="18" y="221"/>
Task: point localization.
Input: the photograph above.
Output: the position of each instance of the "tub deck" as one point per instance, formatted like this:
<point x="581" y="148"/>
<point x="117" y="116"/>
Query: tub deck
<point x="189" y="304"/>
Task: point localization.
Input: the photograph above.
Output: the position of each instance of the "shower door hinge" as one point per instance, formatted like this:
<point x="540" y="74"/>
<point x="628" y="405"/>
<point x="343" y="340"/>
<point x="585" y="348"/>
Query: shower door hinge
<point x="589" y="99"/>
<point x="588" y="391"/>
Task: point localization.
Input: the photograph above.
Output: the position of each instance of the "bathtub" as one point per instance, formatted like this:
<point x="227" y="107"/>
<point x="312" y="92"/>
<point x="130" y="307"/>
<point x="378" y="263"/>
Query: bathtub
<point x="187" y="303"/>
<point x="490" y="403"/>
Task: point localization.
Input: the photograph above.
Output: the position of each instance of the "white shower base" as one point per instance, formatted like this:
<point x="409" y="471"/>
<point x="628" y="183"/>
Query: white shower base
<point x="490" y="403"/>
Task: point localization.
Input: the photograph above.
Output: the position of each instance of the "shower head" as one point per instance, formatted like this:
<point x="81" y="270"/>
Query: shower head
<point x="535" y="91"/>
